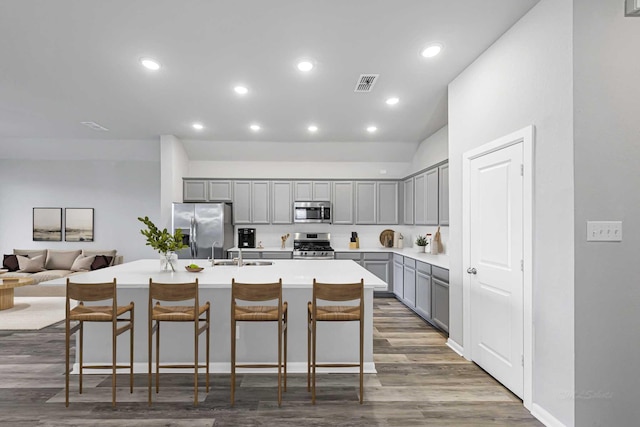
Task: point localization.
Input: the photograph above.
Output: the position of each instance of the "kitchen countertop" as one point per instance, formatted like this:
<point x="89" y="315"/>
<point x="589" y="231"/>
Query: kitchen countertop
<point x="440" y="260"/>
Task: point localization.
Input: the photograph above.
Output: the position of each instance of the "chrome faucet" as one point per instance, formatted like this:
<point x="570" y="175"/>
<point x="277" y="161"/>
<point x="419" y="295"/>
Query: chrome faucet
<point x="239" y="257"/>
<point x="213" y="253"/>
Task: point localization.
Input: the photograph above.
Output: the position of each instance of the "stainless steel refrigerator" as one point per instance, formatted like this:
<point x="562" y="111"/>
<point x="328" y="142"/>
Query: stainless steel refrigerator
<point x="202" y="225"/>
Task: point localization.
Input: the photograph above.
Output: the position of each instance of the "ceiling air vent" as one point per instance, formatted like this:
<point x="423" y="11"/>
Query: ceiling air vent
<point x="365" y="82"/>
<point x="95" y="126"/>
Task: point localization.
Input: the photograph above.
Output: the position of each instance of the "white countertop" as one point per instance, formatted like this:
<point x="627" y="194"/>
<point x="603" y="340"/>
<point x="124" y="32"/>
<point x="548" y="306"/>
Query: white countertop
<point x="294" y="274"/>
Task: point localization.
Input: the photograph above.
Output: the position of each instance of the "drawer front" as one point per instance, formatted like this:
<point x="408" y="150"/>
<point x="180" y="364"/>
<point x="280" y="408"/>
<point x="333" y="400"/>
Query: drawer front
<point x="398" y="258"/>
<point x="277" y="255"/>
<point x="440" y="273"/>
<point x="423" y="267"/>
<point x="409" y="262"/>
<point x="377" y="256"/>
<point x="348" y="255"/>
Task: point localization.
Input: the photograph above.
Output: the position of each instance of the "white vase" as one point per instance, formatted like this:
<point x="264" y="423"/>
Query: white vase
<point x="168" y="261"/>
<point x="421" y="248"/>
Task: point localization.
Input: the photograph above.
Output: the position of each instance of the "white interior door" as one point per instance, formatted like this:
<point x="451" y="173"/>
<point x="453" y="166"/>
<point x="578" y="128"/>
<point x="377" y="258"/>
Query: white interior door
<point x="496" y="254"/>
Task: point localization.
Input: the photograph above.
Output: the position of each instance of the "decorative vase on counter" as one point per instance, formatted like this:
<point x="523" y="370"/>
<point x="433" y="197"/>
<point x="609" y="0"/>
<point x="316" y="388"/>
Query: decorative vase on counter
<point x="421" y="249"/>
<point x="168" y="261"/>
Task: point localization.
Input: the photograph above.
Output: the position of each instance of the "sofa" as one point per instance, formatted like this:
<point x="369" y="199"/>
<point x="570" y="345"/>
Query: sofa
<point x="49" y="264"/>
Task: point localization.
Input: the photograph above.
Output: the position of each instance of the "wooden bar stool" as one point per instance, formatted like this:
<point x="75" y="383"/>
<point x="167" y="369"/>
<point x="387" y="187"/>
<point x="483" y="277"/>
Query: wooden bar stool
<point x="91" y="292"/>
<point x="174" y="292"/>
<point x="334" y="292"/>
<point x="256" y="292"/>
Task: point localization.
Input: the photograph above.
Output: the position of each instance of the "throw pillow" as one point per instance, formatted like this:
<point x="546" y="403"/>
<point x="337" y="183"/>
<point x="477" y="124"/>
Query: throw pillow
<point x="10" y="262"/>
<point x="101" y="261"/>
<point x="31" y="265"/>
<point x="61" y="260"/>
<point x="108" y="253"/>
<point x="83" y="263"/>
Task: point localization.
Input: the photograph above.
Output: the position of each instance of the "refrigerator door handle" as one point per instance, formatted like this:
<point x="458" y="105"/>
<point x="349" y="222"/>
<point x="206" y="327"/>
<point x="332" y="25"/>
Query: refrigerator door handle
<point x="194" y="238"/>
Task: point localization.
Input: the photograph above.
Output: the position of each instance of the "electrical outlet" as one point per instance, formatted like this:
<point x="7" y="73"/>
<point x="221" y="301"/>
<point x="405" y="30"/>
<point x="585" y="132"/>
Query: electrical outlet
<point x="604" y="231"/>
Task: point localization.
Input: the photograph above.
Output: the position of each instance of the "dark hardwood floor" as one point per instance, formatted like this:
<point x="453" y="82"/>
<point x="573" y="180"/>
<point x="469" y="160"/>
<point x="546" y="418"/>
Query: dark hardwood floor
<point x="420" y="381"/>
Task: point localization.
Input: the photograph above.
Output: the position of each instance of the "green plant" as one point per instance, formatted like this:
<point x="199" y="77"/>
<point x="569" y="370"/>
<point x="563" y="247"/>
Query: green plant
<point x="421" y="240"/>
<point x="161" y="240"/>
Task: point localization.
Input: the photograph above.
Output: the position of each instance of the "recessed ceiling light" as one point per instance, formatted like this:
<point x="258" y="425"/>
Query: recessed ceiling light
<point x="255" y="127"/>
<point x="392" y="101"/>
<point x="241" y="90"/>
<point x="313" y="128"/>
<point x="150" y="64"/>
<point x="431" y="50"/>
<point x="305" y="66"/>
<point x="371" y="129"/>
<point x="198" y="126"/>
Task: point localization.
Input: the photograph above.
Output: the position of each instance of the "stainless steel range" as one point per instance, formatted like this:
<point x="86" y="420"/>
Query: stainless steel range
<point x="312" y="246"/>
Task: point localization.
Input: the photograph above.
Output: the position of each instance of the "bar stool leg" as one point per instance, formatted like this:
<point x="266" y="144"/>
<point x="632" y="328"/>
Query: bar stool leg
<point x="308" y="352"/>
<point x="150" y="357"/>
<point x="279" y="362"/>
<point x="233" y="361"/>
<point x="361" y="360"/>
<point x="286" y="329"/>
<point x="208" y="332"/>
<point x="66" y="376"/>
<point x="195" y="363"/>
<point x="313" y="361"/>
<point x="113" y="365"/>
<point x="157" y="357"/>
<point x="131" y="355"/>
<point x="81" y="358"/>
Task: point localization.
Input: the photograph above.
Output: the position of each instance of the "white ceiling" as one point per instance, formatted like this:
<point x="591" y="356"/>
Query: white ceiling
<point x="64" y="62"/>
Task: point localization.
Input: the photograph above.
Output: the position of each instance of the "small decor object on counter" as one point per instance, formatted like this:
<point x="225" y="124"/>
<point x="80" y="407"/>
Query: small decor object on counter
<point x="284" y="239"/>
<point x="436" y="246"/>
<point x="421" y="243"/>
<point x="386" y="238"/>
<point x="400" y="241"/>
<point x="194" y="268"/>
<point x="260" y="245"/>
<point x="354" y="241"/>
<point x="165" y="243"/>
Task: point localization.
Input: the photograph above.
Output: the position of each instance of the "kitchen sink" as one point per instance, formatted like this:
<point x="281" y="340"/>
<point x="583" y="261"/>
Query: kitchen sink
<point x="225" y="262"/>
<point x="258" y="263"/>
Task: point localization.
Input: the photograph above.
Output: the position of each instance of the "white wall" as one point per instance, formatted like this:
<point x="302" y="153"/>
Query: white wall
<point x="607" y="149"/>
<point x="524" y="79"/>
<point x="174" y="164"/>
<point x="118" y="188"/>
<point x="432" y="150"/>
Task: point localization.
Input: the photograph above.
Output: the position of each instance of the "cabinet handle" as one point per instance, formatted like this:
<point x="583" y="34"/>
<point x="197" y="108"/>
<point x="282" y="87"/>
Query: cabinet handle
<point x="471" y="270"/>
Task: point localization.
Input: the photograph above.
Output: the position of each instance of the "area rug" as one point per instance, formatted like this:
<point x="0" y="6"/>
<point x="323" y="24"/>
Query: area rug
<point x="32" y="313"/>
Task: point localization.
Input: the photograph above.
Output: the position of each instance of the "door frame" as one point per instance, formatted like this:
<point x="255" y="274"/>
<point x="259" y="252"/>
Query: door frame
<point x="525" y="136"/>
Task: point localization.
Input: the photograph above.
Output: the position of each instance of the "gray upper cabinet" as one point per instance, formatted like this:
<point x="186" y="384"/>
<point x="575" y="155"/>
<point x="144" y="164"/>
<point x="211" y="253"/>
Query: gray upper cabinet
<point x="194" y="190"/>
<point x="342" y="202"/>
<point x="408" y="201"/>
<point x="312" y="191"/>
<point x="366" y="202"/>
<point x="443" y="202"/>
<point x="251" y="202"/>
<point x="387" y="202"/>
<point x="281" y="203"/>
<point x="242" y="202"/>
<point x="260" y="202"/>
<point x="419" y="203"/>
<point x="431" y="197"/>
<point x="220" y="191"/>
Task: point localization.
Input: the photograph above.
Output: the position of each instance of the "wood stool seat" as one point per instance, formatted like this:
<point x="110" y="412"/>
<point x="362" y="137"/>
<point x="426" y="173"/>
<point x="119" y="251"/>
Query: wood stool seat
<point x="259" y="292"/>
<point x="333" y="292"/>
<point x="158" y="313"/>
<point x="91" y="292"/>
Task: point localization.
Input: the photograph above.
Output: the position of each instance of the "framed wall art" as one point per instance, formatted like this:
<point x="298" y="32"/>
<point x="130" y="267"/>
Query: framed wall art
<point x="47" y="224"/>
<point x="78" y="224"/>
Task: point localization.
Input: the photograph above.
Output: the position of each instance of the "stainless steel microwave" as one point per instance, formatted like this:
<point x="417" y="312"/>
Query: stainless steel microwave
<point x="312" y="212"/>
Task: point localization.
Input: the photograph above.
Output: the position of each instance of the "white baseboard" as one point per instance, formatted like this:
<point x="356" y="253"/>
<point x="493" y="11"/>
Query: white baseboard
<point x="544" y="417"/>
<point x="455" y="347"/>
<point x="225" y="368"/>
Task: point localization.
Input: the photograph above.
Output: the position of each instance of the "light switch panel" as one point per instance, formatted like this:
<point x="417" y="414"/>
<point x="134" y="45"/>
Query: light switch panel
<point x="604" y="231"/>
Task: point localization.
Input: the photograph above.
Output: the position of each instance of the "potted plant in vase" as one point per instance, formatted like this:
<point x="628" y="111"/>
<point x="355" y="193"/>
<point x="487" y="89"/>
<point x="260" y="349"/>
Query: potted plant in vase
<point x="164" y="242"/>
<point x="421" y="243"/>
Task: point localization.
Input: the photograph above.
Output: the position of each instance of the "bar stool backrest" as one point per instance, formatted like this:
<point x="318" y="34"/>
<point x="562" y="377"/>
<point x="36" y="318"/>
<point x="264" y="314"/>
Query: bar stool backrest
<point x="338" y="291"/>
<point x="174" y="291"/>
<point x="256" y="291"/>
<point x="91" y="291"/>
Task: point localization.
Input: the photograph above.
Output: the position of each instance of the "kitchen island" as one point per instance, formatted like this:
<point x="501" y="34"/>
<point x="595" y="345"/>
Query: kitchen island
<point x="256" y="343"/>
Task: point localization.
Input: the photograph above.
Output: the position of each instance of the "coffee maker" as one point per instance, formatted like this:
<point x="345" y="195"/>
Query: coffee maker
<point x="246" y="238"/>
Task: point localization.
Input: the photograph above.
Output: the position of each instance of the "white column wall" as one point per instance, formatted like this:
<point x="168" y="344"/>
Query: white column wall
<point x="174" y="164"/>
<point x="525" y="78"/>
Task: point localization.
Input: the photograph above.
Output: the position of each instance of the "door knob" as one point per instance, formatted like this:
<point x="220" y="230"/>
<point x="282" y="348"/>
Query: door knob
<point x="471" y="270"/>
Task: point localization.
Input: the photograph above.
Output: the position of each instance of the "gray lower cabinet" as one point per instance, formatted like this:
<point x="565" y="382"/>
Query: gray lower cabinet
<point x="423" y="289"/>
<point x="440" y="298"/>
<point x="378" y="263"/>
<point x="409" y="282"/>
<point x="245" y="255"/>
<point x="398" y="276"/>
